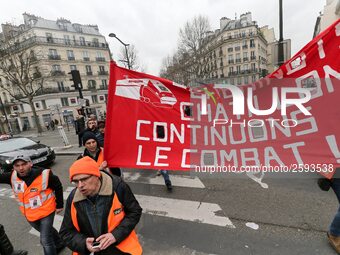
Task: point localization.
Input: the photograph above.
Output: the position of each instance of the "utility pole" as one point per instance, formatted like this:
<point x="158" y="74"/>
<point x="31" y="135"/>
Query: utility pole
<point x="280" y="45"/>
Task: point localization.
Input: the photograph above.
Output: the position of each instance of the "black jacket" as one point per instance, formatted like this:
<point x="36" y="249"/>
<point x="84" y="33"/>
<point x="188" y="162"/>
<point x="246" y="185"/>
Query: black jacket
<point x="114" y="170"/>
<point x="79" y="125"/>
<point x="76" y="241"/>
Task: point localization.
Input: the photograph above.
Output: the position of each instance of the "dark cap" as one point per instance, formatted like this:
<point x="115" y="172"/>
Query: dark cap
<point x="21" y="157"/>
<point x="89" y="135"/>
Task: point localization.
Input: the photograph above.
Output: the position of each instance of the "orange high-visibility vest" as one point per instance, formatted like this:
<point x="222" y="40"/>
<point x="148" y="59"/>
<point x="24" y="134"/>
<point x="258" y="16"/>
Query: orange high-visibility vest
<point x="130" y="244"/>
<point x="100" y="157"/>
<point x="35" y="201"/>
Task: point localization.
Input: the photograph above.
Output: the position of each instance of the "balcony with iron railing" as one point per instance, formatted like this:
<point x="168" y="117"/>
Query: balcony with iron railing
<point x="100" y="59"/>
<point x="89" y="73"/>
<point x="103" y="87"/>
<point x="86" y="59"/>
<point x="62" y="41"/>
<point x="232" y="73"/>
<point x="91" y="87"/>
<point x="51" y="90"/>
<point x="71" y="58"/>
<point x="54" y="57"/>
<point x="103" y="72"/>
<point x="56" y="41"/>
<point x="245" y="35"/>
<point x="57" y="73"/>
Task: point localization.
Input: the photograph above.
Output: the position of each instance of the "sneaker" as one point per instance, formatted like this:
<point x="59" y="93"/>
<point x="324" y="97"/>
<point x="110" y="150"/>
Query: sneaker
<point x="334" y="241"/>
<point x="169" y="186"/>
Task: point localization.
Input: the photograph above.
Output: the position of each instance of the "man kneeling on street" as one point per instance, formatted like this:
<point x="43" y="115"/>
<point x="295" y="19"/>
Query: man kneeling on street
<point x="101" y="213"/>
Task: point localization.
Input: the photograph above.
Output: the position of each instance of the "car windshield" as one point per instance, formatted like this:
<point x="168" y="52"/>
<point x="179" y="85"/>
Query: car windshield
<point x="14" y="144"/>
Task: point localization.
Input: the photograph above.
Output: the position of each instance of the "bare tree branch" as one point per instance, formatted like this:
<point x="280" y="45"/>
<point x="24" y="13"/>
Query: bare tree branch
<point x="184" y="66"/>
<point x="18" y="69"/>
<point x="133" y="57"/>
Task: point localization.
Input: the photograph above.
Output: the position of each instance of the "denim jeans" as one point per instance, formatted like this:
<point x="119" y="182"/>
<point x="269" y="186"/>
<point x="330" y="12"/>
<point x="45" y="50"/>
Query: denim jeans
<point x="49" y="237"/>
<point x="335" y="226"/>
<point x="165" y="175"/>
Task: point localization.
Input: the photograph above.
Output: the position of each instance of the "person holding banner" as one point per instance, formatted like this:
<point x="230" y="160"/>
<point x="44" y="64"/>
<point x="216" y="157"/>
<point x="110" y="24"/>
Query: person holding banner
<point x="101" y="213"/>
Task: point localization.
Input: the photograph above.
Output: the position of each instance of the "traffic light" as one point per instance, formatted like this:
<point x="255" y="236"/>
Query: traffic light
<point x="76" y="79"/>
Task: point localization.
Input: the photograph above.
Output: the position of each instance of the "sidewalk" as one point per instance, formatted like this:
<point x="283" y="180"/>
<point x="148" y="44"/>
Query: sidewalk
<point x="55" y="141"/>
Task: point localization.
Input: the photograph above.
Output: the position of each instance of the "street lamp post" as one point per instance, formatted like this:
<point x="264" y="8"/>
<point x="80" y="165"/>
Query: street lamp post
<point x="280" y="46"/>
<point x="126" y="49"/>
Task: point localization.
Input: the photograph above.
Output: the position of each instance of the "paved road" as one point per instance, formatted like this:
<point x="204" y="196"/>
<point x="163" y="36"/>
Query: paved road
<point x="208" y="215"/>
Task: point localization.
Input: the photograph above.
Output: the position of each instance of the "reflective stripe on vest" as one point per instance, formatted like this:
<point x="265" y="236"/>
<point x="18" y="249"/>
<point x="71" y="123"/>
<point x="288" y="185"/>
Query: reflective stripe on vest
<point x="130" y="244"/>
<point x="36" y="201"/>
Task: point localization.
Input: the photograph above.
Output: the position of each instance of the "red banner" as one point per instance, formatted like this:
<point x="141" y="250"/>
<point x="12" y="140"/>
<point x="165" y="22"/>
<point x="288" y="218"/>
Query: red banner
<point x="139" y="106"/>
<point x="157" y="124"/>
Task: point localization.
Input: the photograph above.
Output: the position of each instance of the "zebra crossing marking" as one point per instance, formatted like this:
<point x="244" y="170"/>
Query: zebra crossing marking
<point x="195" y="211"/>
<point x="184" y="210"/>
<point x="176" y="180"/>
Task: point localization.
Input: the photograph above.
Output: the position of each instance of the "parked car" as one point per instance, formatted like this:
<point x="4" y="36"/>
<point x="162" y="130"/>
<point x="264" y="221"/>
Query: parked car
<point x="10" y="148"/>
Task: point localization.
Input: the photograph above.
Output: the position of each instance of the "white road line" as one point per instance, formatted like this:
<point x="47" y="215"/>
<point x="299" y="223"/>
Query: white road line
<point x="67" y="192"/>
<point x="194" y="211"/>
<point x="181" y="209"/>
<point x="7" y="192"/>
<point x="176" y="180"/>
<point x="184" y="209"/>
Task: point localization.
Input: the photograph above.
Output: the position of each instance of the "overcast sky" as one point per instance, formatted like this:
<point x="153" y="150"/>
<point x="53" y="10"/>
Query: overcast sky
<point x="153" y="25"/>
